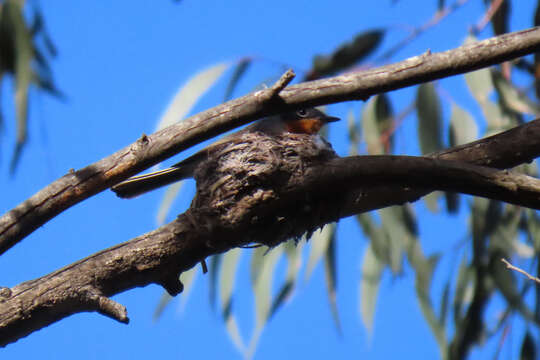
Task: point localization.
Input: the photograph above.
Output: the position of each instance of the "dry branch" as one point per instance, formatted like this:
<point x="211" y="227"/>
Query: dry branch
<point x="272" y="194"/>
<point x="79" y="185"/>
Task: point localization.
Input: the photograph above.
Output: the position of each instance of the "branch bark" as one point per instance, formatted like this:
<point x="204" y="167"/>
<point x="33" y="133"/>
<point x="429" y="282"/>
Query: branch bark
<point x="278" y="197"/>
<point x="79" y="185"/>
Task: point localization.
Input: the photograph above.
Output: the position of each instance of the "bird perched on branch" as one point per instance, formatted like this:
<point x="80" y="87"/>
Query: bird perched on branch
<point x="305" y="121"/>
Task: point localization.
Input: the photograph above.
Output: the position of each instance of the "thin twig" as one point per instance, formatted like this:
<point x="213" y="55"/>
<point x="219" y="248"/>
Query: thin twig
<point x="515" y="268"/>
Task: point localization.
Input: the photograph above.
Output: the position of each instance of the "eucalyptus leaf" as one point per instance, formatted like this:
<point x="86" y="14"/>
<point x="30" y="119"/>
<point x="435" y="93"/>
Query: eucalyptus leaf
<point x="370" y="281"/>
<point x="319" y="245"/>
<point x="429" y="118"/>
<point x="187" y="96"/>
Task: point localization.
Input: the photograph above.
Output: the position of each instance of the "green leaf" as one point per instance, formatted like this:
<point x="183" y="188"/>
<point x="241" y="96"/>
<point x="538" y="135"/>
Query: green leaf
<point x="429" y="118"/>
<point x="513" y="99"/>
<point x="262" y="288"/>
<point x="239" y="70"/>
<point x="262" y="291"/>
<point x="505" y="234"/>
<point x="353" y="132"/>
<point x="506" y="282"/>
<point x="463" y="128"/>
<point x="377" y="125"/>
<point x="346" y="55"/>
<point x="319" y="245"/>
<point x="331" y="280"/>
<point x="445" y="298"/>
<point x="370" y="281"/>
<point x="257" y="261"/>
<point x="188" y="279"/>
<point x="432" y="201"/>
<point x="293" y="252"/>
<point x="393" y="228"/>
<point x="229" y="265"/>
<point x="464" y="289"/>
<point x="400" y="226"/>
<point x="12" y="19"/>
<point x="213" y="269"/>
<point x="499" y="21"/>
<point x="528" y="348"/>
<point x="163" y="302"/>
<point x="377" y="236"/>
<point x="188" y="95"/>
<point x="424" y="276"/>
<point x="166" y="203"/>
<point x="479" y="82"/>
<point x="533" y="228"/>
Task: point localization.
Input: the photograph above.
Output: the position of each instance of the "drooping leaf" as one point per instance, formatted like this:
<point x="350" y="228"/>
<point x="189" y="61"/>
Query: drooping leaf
<point x="393" y="228"/>
<point x="168" y="198"/>
<point x="262" y="291"/>
<point x="353" y="132"/>
<point x="319" y="244"/>
<point x="213" y="270"/>
<point x="12" y="18"/>
<point x="377" y="125"/>
<point x="504" y="236"/>
<point x="239" y="70"/>
<point x="445" y="300"/>
<point x="346" y="55"/>
<point x="511" y="98"/>
<point x="500" y="18"/>
<point x="424" y="275"/>
<point x="370" y="281"/>
<point x="331" y="280"/>
<point x="163" y="302"/>
<point x="188" y="95"/>
<point x="464" y="289"/>
<point x="257" y="261"/>
<point x="485" y="216"/>
<point x="528" y="348"/>
<point x="463" y="128"/>
<point x="505" y="281"/>
<point x="377" y="236"/>
<point x="479" y="82"/>
<point x="432" y="201"/>
<point x="187" y="278"/>
<point x="294" y="258"/>
<point x="429" y="118"/>
<point x="229" y="265"/>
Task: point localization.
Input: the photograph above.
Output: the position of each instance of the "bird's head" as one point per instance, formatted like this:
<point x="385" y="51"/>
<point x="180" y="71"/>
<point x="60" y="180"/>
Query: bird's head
<point x="306" y="121"/>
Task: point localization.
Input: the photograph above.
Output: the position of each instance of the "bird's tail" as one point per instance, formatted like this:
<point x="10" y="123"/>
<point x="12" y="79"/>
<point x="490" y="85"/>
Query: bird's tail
<point x="138" y="185"/>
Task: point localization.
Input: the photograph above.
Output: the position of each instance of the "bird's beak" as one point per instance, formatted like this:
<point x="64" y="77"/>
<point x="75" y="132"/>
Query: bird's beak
<point x="329" y="119"/>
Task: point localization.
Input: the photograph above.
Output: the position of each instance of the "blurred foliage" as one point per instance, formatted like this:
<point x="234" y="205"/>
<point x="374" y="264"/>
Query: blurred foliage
<point x="507" y="95"/>
<point x="25" y="47"/>
<point x="456" y="315"/>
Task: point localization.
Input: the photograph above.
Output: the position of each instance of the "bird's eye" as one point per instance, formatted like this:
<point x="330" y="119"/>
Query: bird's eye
<point x="302" y="113"/>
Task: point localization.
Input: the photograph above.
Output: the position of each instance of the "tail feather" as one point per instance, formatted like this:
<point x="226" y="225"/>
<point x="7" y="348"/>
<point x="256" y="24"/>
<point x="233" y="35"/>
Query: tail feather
<point x="138" y="185"/>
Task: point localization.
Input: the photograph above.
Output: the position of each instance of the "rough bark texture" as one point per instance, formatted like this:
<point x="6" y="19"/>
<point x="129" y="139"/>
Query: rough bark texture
<point x="265" y="190"/>
<point x="79" y="185"/>
<point x="261" y="189"/>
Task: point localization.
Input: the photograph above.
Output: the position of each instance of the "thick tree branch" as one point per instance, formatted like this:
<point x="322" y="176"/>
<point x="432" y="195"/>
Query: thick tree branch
<point x="276" y="195"/>
<point x="76" y="186"/>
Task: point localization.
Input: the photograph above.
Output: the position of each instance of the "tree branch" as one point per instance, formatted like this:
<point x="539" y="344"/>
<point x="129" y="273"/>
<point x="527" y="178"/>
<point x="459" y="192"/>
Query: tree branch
<point x="77" y="186"/>
<point x="276" y="195"/>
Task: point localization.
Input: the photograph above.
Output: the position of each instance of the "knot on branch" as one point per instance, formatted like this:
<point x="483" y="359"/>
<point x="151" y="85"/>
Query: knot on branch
<point x="245" y="189"/>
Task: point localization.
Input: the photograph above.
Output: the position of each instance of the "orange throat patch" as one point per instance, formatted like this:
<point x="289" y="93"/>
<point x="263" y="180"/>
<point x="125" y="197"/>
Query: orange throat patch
<point x="305" y="126"/>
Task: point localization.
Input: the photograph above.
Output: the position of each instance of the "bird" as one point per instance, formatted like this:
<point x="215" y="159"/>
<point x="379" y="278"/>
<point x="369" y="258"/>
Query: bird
<point x="303" y="121"/>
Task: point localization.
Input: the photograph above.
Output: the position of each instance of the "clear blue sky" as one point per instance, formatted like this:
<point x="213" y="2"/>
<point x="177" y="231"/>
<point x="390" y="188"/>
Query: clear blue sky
<point x="119" y="64"/>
